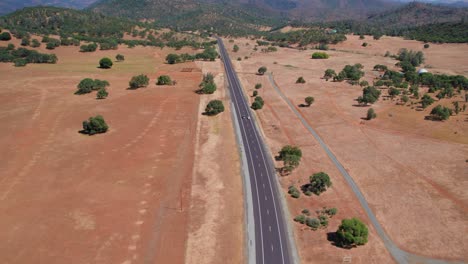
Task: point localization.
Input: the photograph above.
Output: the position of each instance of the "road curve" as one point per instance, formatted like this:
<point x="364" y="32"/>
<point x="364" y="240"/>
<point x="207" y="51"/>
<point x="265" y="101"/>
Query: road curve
<point x="271" y="240"/>
<point x="398" y="254"/>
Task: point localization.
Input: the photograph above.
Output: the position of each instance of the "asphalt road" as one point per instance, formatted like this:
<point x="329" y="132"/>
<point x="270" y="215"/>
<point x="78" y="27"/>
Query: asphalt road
<point x="271" y="241"/>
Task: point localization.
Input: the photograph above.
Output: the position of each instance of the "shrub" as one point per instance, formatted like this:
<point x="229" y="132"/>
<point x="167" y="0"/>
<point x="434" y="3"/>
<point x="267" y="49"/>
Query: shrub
<point x="320" y="55"/>
<point x="102" y="93"/>
<point x="258" y="86"/>
<point x="313" y="223"/>
<point x="258" y="103"/>
<point x="105" y="63"/>
<point x="371" y="114"/>
<point x="88" y="48"/>
<point x="50" y="46"/>
<point x="208" y="88"/>
<point x="164" y="80"/>
<point x="369" y="95"/>
<point x="309" y="100"/>
<point x="393" y="92"/>
<point x="364" y="83"/>
<point x="331" y="211"/>
<point x="235" y="48"/>
<point x="364" y="44"/>
<point x="323" y="220"/>
<point x="25" y="42"/>
<point x="255" y="93"/>
<point x="329" y="73"/>
<point x="294" y="192"/>
<point x="214" y="107"/>
<point x="426" y="101"/>
<point x="120" y="57"/>
<point x="95" y="125"/>
<point x="306" y="212"/>
<point x="5" y="36"/>
<point x="173" y="58"/>
<point x="35" y="43"/>
<point x="88" y="85"/>
<point x="262" y="70"/>
<point x="139" y="81"/>
<point x="300" y="80"/>
<point x="404" y="99"/>
<point x="361" y="36"/>
<point x="300" y="219"/>
<point x="351" y="232"/>
<point x="426" y="46"/>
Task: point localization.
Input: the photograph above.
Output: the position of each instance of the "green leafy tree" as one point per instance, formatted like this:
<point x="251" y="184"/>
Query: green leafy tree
<point x="214" y="107"/>
<point x="352" y="232"/>
<point x="35" y="43"/>
<point x="105" y="63"/>
<point x="309" y="100"/>
<point x="371" y="114"/>
<point x="5" y="36"/>
<point x="120" y="57"/>
<point x="102" y="93"/>
<point x="88" y="48"/>
<point x="20" y="62"/>
<point x="262" y="70"/>
<point x="370" y="95"/>
<point x="294" y="192"/>
<point x="257" y="103"/>
<point x="139" y="81"/>
<point x="290" y="162"/>
<point x="319" y="182"/>
<point x="208" y="88"/>
<point x="164" y="80"/>
<point x="393" y="92"/>
<point x="235" y="48"/>
<point x="441" y="113"/>
<point x="88" y="85"/>
<point x="329" y="73"/>
<point x="95" y="125"/>
<point x="426" y="46"/>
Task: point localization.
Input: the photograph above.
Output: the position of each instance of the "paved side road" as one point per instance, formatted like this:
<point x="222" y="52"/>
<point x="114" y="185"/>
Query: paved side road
<point x="271" y="240"/>
<point x="398" y="254"/>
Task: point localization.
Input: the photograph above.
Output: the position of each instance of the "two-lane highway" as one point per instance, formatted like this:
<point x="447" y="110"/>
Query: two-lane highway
<point x="271" y="240"/>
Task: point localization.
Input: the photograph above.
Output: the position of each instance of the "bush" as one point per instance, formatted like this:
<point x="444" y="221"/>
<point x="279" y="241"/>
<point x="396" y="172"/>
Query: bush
<point x="139" y="81"/>
<point x="50" y="46"/>
<point x="164" y="80"/>
<point x="329" y="73"/>
<point x="255" y="93"/>
<point x="294" y="192"/>
<point x="364" y="44"/>
<point x="214" y="107"/>
<point x="258" y="103"/>
<point x="371" y="114"/>
<point x="441" y="113"/>
<point x="258" y="86"/>
<point x="5" y="36"/>
<point x="300" y="80"/>
<point x="88" y="48"/>
<point x="319" y="182"/>
<point x="351" y="233"/>
<point x="88" y="85"/>
<point x="35" y="43"/>
<point x="120" y="57"/>
<point x="102" y="93"/>
<point x="173" y="58"/>
<point x="235" y="48"/>
<point x="105" y="63"/>
<point x="351" y="72"/>
<point x="426" y="101"/>
<point x="313" y="223"/>
<point x="320" y="55"/>
<point x="309" y="100"/>
<point x="331" y="211"/>
<point x="25" y="42"/>
<point x="369" y="95"/>
<point x="426" y="46"/>
<point x="262" y="70"/>
<point x="94" y="125"/>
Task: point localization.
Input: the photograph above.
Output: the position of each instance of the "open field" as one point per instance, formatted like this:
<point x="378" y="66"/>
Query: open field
<point x="412" y="171"/>
<point x="120" y="197"/>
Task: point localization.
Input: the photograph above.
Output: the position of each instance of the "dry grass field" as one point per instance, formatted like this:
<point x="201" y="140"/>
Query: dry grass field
<point x="120" y="197"/>
<point x="412" y="171"/>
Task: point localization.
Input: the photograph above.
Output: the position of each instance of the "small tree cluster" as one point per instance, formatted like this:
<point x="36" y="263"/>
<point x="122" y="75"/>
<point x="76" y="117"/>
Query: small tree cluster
<point x="350" y="72"/>
<point x="102" y="93"/>
<point x="426" y="101"/>
<point x="329" y="74"/>
<point x="291" y="157"/>
<point x="88" y="85"/>
<point x="258" y="103"/>
<point x="320" y="55"/>
<point x="89" y="48"/>
<point x="164" y="80"/>
<point x="139" y="81"/>
<point x="94" y="125"/>
<point x="207" y="86"/>
<point x="319" y="182"/>
<point x="214" y="107"/>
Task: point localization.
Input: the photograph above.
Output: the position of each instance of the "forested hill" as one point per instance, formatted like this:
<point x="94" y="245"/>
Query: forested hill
<point x="228" y="17"/>
<point x="8" y="6"/>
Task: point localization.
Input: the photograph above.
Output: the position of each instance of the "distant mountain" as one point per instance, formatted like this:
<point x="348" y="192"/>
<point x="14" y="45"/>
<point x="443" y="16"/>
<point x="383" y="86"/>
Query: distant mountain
<point x="8" y="6"/>
<point x="451" y="3"/>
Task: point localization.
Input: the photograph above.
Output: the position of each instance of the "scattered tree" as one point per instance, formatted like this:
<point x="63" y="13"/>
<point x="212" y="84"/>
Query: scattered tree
<point x="139" y="81"/>
<point x="5" y="36"/>
<point x="319" y="182"/>
<point x="351" y="233"/>
<point x="20" y="62"/>
<point x="94" y="125"/>
<point x="294" y="192"/>
<point x="320" y="55"/>
<point x="255" y="93"/>
<point x="262" y="70"/>
<point x="441" y="113"/>
<point x="329" y="73"/>
<point x="25" y="42"/>
<point x="214" y="107"/>
<point x="105" y="63"/>
<point x="369" y="95"/>
<point x="371" y="114"/>
<point x="393" y="92"/>
<point x="258" y="86"/>
<point x="426" y="46"/>
<point x="300" y="80"/>
<point x="88" y="85"/>
<point x="173" y="58"/>
<point x="88" y="48"/>
<point x="426" y="101"/>
<point x="102" y="93"/>
<point x="164" y="80"/>
<point x="35" y="43"/>
<point x="309" y="100"/>
<point x="364" y="44"/>
<point x="235" y="48"/>
<point x="257" y="103"/>
<point x="291" y="157"/>
<point x="120" y="57"/>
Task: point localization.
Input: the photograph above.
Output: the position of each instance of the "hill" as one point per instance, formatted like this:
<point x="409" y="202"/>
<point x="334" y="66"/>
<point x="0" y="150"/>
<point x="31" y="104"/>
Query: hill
<point x="8" y="6"/>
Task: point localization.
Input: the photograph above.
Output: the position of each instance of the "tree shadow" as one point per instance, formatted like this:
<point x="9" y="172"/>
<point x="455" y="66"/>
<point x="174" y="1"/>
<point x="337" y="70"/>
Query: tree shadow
<point x="361" y="105"/>
<point x="333" y="239"/>
<point x="303" y="105"/>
